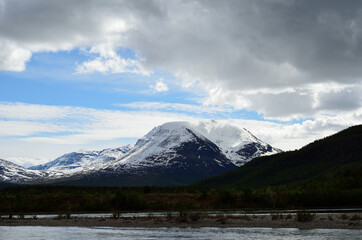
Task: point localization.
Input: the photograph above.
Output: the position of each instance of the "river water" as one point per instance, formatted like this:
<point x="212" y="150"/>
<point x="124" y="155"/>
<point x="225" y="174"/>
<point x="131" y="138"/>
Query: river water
<point x="107" y="233"/>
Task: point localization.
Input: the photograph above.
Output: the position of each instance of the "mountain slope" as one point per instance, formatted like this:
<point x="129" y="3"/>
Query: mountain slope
<point x="171" y="154"/>
<point x="237" y="144"/>
<point x="12" y="173"/>
<point x="78" y="161"/>
<point x="334" y="158"/>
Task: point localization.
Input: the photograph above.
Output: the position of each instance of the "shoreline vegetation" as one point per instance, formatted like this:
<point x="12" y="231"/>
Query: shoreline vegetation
<point x="301" y="219"/>
<point x="72" y="199"/>
<point x="187" y="206"/>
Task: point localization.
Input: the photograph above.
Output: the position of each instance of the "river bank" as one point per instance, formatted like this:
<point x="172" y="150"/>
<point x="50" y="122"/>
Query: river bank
<point x="317" y="221"/>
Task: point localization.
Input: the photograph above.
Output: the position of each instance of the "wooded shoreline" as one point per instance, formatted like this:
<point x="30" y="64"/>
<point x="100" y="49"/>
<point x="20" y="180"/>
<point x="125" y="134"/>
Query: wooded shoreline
<point x="317" y="221"/>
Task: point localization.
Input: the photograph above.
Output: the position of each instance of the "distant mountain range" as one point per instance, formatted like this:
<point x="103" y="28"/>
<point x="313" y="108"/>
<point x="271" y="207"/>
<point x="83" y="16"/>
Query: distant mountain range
<point x="175" y="153"/>
<point x="87" y="160"/>
<point x="333" y="162"/>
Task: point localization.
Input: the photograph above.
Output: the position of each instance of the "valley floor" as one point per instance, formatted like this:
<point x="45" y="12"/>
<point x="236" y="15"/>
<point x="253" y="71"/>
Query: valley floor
<point x="320" y="221"/>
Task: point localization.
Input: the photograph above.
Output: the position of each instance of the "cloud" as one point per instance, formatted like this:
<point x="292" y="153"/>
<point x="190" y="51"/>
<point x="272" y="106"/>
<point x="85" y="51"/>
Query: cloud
<point x="343" y="99"/>
<point x="28" y="162"/>
<point x="112" y="65"/>
<point x="83" y="126"/>
<point x="78" y="127"/>
<point x="292" y="103"/>
<point x="160" y="86"/>
<point x="178" y="107"/>
<point x="12" y="57"/>
<point x="61" y="25"/>
<point x="43" y="131"/>
<point x="233" y="46"/>
<point x="294" y="136"/>
<point x="25" y="128"/>
<point x="23" y="111"/>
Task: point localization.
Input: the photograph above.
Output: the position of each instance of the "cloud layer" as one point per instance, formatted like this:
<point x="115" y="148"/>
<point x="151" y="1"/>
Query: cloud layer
<point x="283" y="47"/>
<point x="74" y="128"/>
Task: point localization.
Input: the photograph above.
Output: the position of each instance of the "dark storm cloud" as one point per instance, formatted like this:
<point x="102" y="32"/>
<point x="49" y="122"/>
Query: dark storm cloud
<point x="345" y="99"/>
<point x="253" y="44"/>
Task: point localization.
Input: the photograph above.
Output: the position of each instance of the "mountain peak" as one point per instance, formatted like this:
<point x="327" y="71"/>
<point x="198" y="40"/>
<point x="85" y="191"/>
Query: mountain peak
<point x="172" y="150"/>
<point x="236" y="143"/>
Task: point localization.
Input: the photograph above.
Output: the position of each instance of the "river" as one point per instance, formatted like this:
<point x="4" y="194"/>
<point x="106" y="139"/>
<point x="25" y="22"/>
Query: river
<point x="107" y="233"/>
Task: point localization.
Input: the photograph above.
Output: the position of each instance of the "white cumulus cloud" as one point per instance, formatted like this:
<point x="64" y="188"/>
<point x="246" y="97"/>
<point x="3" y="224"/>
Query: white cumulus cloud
<point x="112" y="65"/>
<point x="13" y="57"/>
<point x="160" y="86"/>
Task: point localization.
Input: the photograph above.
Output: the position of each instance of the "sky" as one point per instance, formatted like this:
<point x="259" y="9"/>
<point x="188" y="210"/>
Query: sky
<point x="87" y="75"/>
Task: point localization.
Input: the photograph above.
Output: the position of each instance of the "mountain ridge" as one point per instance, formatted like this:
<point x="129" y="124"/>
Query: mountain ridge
<point x="174" y="148"/>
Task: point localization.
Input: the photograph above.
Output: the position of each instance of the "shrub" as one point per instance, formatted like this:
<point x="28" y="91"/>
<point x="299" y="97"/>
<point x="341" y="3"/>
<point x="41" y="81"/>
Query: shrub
<point x="227" y="198"/>
<point x="355" y="218"/>
<point x="344" y="216"/>
<point x="183" y="216"/>
<point x="204" y="194"/>
<point x="246" y="217"/>
<point x="195" y="216"/>
<point x="116" y="215"/>
<point x="305" y="216"/>
<point x="276" y="216"/>
<point x="169" y="216"/>
<point x="129" y="201"/>
<point x="221" y="218"/>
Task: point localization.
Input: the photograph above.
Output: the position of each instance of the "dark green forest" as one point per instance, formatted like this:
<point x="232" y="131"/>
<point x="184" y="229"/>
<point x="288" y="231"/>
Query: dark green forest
<point x="332" y="163"/>
<point x="71" y="199"/>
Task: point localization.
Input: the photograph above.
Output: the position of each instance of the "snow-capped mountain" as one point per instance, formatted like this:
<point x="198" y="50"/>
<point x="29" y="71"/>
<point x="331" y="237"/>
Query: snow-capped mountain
<point x="168" y="142"/>
<point x="174" y="153"/>
<point x="237" y="144"/>
<point x="171" y="154"/>
<point x="178" y="153"/>
<point x="158" y="146"/>
<point x="87" y="160"/>
<point x="10" y="172"/>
